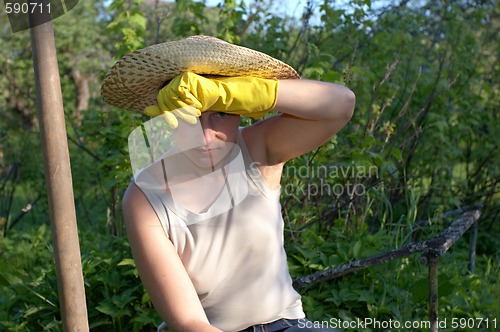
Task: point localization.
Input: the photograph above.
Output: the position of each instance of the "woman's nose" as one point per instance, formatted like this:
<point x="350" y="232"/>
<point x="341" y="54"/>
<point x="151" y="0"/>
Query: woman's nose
<point x="209" y="133"/>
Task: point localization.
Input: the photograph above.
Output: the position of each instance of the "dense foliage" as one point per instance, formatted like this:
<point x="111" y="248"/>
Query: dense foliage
<point x="422" y="142"/>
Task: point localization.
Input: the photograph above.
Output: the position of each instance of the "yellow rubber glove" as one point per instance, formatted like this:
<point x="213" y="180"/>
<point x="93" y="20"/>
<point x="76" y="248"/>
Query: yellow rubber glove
<point x="243" y="95"/>
<point x="186" y="113"/>
<point x="248" y="96"/>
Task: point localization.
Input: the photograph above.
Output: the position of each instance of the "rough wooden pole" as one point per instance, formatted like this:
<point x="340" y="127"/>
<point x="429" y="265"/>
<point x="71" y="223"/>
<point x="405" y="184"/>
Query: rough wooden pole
<point x="433" y="292"/>
<point x="58" y="177"/>
<point x="472" y="249"/>
<point x="438" y="245"/>
<point x="353" y="266"/>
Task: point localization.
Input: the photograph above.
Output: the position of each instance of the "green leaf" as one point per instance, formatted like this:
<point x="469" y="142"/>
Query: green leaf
<point x="356" y="250"/>
<point x="420" y="290"/>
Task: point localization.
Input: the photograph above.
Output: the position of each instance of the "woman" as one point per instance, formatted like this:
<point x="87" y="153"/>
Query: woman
<point x="204" y="222"/>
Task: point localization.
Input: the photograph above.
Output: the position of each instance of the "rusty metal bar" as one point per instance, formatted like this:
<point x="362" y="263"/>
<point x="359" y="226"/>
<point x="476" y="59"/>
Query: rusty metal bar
<point x="58" y="175"/>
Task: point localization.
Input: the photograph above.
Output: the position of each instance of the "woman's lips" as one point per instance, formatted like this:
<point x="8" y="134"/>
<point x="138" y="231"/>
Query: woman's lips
<point x="204" y="150"/>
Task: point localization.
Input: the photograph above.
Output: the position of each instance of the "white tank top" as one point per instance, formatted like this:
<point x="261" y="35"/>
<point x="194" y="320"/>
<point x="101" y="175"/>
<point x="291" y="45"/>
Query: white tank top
<point x="234" y="255"/>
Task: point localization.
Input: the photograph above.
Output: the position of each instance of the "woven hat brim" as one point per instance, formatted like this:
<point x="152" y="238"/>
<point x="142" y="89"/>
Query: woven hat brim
<point x="135" y="80"/>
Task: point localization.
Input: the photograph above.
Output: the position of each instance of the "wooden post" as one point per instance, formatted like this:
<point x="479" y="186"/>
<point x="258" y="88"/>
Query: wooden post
<point x="58" y="176"/>
<point x="472" y="249"/>
<point x="438" y="245"/>
<point x="433" y="292"/>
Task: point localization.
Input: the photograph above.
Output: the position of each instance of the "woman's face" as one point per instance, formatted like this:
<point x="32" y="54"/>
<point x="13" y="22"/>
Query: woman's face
<point x="210" y="140"/>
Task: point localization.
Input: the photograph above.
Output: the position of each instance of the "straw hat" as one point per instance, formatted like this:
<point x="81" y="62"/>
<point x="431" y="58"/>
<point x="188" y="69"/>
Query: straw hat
<point x="134" y="81"/>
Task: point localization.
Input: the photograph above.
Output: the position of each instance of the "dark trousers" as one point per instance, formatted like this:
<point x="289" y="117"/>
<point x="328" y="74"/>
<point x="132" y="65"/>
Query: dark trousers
<point x="288" y="325"/>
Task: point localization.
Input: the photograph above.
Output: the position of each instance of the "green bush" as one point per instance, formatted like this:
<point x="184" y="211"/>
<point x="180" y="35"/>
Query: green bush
<point x="116" y="300"/>
<point x="397" y="290"/>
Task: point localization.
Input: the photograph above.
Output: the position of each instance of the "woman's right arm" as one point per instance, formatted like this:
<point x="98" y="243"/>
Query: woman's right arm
<point x="160" y="267"/>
